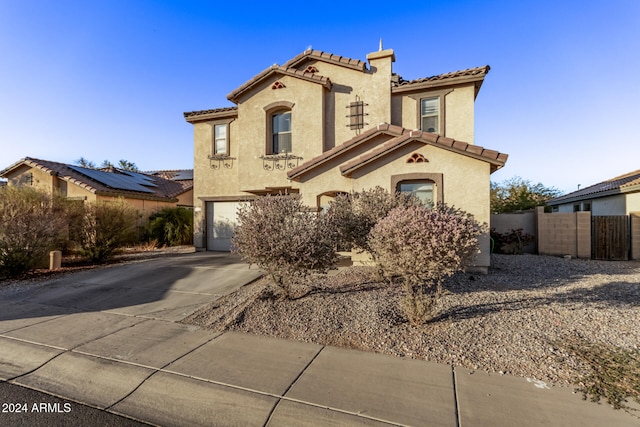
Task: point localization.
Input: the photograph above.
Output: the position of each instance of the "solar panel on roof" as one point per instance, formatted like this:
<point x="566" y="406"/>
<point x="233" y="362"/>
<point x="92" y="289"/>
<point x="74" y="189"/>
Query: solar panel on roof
<point x="140" y="178"/>
<point x="115" y="180"/>
<point x="183" y="175"/>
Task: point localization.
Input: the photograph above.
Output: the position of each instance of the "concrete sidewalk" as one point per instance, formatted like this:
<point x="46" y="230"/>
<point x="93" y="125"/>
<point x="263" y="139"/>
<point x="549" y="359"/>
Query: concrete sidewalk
<point x="172" y="375"/>
<point x="134" y="360"/>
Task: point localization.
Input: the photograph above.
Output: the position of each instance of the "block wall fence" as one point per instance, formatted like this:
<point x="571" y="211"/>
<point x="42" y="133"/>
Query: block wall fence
<point x="562" y="234"/>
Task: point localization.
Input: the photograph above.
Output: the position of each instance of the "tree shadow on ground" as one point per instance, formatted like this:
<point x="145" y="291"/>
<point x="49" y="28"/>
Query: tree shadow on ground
<point x="612" y="294"/>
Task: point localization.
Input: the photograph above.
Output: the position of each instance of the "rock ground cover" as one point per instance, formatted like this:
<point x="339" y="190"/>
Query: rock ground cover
<point x="515" y="320"/>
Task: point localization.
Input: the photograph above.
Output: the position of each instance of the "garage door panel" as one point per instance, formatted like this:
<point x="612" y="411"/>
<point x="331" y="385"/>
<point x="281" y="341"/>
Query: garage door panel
<point x="222" y="218"/>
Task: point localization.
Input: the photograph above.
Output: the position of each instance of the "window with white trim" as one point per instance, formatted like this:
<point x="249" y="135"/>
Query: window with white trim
<point x="430" y="114"/>
<point x="220" y="146"/>
<point x="281" y="133"/>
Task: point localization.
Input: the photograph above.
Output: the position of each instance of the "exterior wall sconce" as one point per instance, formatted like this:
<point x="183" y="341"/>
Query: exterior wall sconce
<point x="218" y="161"/>
<point x="280" y="161"/>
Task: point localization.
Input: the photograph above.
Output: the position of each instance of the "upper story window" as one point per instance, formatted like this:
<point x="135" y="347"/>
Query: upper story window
<point x="220" y="144"/>
<point x="430" y="114"/>
<point x="281" y="133"/>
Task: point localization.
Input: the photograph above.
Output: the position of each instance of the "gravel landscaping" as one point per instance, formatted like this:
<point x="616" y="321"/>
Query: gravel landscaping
<point x="516" y="320"/>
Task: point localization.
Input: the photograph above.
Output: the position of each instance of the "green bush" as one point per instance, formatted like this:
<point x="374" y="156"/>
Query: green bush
<point x="32" y="223"/>
<point x="423" y="247"/>
<point x="171" y="227"/>
<point x="283" y="238"/>
<point x="105" y="227"/>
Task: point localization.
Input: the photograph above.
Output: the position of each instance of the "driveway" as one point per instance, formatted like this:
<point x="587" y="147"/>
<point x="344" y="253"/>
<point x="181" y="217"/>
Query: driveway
<point x="168" y="288"/>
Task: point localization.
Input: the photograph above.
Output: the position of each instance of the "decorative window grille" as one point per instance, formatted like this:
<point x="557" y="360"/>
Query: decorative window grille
<point x="356" y="115"/>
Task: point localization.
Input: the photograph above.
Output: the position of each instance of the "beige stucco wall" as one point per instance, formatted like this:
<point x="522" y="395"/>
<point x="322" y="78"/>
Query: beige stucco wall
<point x="633" y="203"/>
<point x="251" y="129"/>
<point x="458" y="114"/>
<point x="319" y="123"/>
<point x="471" y="195"/>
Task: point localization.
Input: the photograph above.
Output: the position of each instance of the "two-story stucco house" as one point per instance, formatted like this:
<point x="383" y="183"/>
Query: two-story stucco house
<point x="322" y="124"/>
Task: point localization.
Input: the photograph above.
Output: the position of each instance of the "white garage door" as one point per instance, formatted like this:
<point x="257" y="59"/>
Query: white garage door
<point x="221" y="221"/>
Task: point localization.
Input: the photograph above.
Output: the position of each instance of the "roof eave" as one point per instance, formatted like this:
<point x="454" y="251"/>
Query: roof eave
<point x="195" y="118"/>
<point x="477" y="79"/>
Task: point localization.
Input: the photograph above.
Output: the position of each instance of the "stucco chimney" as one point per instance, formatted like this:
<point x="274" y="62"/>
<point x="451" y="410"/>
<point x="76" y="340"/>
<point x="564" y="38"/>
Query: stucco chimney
<point x="379" y="96"/>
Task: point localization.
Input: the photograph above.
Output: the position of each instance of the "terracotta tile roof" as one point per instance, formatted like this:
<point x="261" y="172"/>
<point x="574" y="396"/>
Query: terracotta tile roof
<point x="192" y="116"/>
<point x="163" y="189"/>
<point x="620" y="184"/>
<point x="182" y="176"/>
<point x="281" y="70"/>
<point x="319" y="55"/>
<point x="470" y="74"/>
<point x="398" y="137"/>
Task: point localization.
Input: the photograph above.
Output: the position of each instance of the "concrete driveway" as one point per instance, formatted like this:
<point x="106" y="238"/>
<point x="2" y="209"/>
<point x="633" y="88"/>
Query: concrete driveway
<point x="168" y="288"/>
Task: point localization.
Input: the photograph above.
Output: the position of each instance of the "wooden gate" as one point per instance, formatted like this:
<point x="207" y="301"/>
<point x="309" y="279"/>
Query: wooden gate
<point x="610" y="237"/>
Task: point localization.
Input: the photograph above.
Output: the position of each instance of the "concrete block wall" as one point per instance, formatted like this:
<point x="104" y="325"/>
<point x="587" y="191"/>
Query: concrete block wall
<point x="505" y="222"/>
<point x="564" y="233"/>
<point x="635" y="235"/>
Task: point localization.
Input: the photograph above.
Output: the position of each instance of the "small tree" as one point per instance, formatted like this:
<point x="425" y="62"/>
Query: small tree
<point x="355" y="214"/>
<point x="423" y="247"/>
<point x="518" y="194"/>
<point x="171" y="226"/>
<point x="280" y="236"/>
<point x="104" y="228"/>
<point x="31" y="224"/>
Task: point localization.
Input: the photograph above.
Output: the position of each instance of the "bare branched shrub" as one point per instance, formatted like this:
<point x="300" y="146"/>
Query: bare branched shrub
<point x="31" y="224"/>
<point x="423" y="247"/>
<point x="355" y="214"/>
<point x="104" y="228"/>
<point x="279" y="235"/>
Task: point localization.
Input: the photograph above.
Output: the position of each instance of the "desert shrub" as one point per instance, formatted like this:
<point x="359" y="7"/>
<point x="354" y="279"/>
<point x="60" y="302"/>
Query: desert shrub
<point x="105" y="227"/>
<point x="283" y="238"/>
<point x="171" y="227"/>
<point x="355" y="214"/>
<point x="32" y="223"/>
<point x="512" y="242"/>
<point x="423" y="247"/>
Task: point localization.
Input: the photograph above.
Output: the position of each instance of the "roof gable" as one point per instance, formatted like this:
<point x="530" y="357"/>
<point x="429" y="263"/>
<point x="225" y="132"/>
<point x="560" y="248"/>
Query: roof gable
<point x="277" y="70"/>
<point x="318" y="55"/>
<point x="396" y="137"/>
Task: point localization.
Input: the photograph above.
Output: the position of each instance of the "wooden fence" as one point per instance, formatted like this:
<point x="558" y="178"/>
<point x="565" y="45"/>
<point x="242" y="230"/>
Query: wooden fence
<point x="610" y="237"/>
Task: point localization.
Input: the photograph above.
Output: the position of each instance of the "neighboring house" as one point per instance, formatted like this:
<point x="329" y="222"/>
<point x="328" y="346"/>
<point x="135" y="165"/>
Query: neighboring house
<point x="615" y="196"/>
<point x="146" y="193"/>
<point x="182" y="176"/>
<point x="322" y="124"/>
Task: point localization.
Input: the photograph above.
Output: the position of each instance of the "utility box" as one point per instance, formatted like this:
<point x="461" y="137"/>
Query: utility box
<point x="55" y="260"/>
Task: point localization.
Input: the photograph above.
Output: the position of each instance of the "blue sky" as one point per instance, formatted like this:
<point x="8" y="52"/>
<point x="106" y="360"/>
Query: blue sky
<point x="111" y="79"/>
